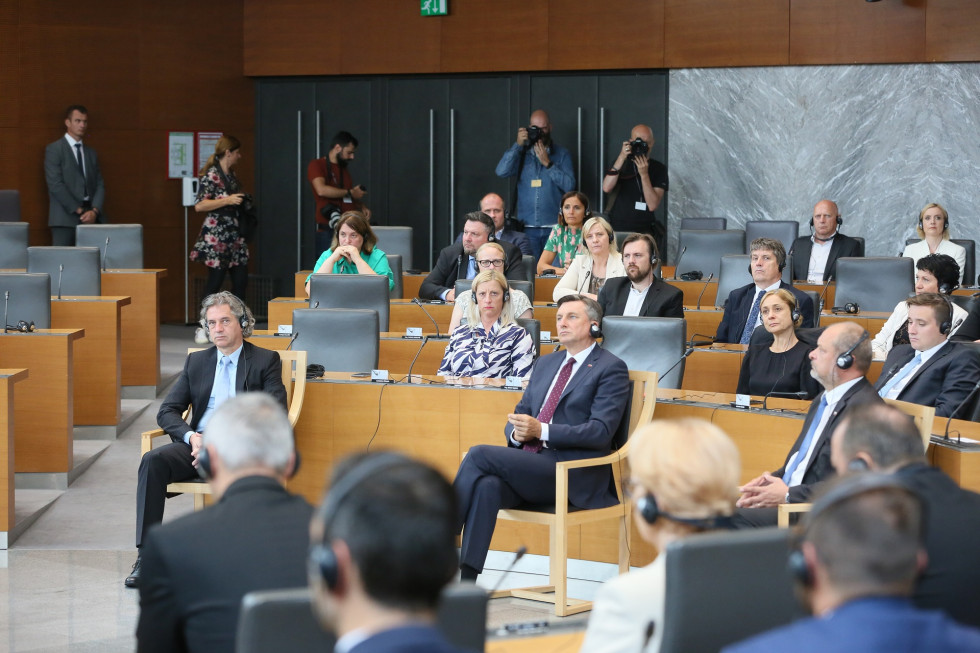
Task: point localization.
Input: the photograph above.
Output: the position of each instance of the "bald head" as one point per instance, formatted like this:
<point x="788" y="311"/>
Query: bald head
<point x="880" y="435"/>
<point x="825" y="216"/>
<point x="644" y="133"/>
<point x="837" y="339"/>
<point x="493" y="205"/>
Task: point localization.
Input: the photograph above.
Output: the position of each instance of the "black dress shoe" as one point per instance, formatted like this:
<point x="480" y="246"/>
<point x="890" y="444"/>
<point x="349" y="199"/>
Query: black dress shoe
<point x="133" y="580"/>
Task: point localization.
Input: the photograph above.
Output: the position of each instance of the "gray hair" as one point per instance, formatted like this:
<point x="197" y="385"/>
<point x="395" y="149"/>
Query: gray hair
<point x="251" y="430"/>
<point x="237" y="306"/>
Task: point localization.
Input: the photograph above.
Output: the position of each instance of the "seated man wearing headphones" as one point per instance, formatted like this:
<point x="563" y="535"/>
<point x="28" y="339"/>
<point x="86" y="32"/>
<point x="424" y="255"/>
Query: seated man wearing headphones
<point x="839" y="363"/>
<point x="930" y="370"/>
<point x="640" y="293"/>
<point x="742" y="310"/>
<point x="208" y="379"/>
<point x="856" y="564"/>
<point x="196" y="569"/>
<point x="815" y="256"/>
<point x="382" y="548"/>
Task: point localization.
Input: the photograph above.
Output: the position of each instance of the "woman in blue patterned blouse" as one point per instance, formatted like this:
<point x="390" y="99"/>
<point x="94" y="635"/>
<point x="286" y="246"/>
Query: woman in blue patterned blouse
<point x="490" y="345"/>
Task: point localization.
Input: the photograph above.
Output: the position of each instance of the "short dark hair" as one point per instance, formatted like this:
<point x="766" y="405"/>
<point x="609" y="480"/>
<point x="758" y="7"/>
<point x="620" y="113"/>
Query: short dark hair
<point x="645" y="238"/>
<point x="592" y="307"/>
<point x="774" y="246"/>
<point x="942" y="266"/>
<point x="885" y="433"/>
<point x="400" y="528"/>
<point x="343" y="139"/>
<point x="480" y="216"/>
<point x="942" y="308"/>
<point x="80" y="109"/>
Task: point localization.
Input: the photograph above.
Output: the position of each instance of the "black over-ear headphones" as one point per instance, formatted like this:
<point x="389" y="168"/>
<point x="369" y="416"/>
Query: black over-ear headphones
<point x="945" y="223"/>
<point x="852" y="487"/>
<point x="845" y="360"/>
<point x="595" y="331"/>
<point x="323" y="559"/>
<point x="858" y="465"/>
<point x="840" y="222"/>
<point x="947" y="325"/>
<point x="651" y="512"/>
<point x="242" y="321"/>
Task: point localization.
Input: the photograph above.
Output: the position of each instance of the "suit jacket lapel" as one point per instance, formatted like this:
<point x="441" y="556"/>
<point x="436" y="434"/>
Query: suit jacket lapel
<point x="944" y="351"/>
<point x="651" y="295"/>
<point x="832" y="257"/>
<point x="203" y="382"/>
<point x="895" y="369"/>
<point x="581" y="374"/>
<point x="807" y="421"/>
<point x="244" y="360"/>
<point x="548" y="368"/>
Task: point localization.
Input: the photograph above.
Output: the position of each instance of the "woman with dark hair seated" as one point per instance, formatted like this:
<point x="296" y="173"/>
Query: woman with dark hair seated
<point x="934" y="273"/>
<point x="353" y="251"/>
<point x="490" y="345"/>
<point x="783" y="366"/>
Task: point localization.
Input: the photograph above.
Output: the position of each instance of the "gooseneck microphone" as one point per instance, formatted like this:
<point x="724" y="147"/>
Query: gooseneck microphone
<point x="517" y="556"/>
<point x="677" y="266"/>
<point x="292" y="339"/>
<point x="782" y="395"/>
<point x="774" y="384"/>
<point x="429" y="315"/>
<point x="710" y="277"/>
<point x="690" y="350"/>
<point x="105" y="253"/>
<point x="965" y="402"/>
<point x="61" y="274"/>
<point x="823" y="295"/>
<point x="425" y="339"/>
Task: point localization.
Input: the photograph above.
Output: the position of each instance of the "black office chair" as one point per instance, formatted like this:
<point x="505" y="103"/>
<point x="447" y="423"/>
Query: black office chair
<point x="82" y="273"/>
<point x="9" y="206"/>
<point x="530" y="272"/>
<point x="860" y="240"/>
<point x="785" y="231"/>
<point x="13" y="245"/>
<point x="395" y="263"/>
<point x="533" y="327"/>
<point x="734" y="273"/>
<point x="704" y="223"/>
<point x="29" y="299"/>
<point x="648" y="344"/>
<point x="341" y="340"/>
<point x="368" y="291"/>
<point x="125" y="244"/>
<point x="874" y="283"/>
<point x="396" y="240"/>
<point x="708" y="574"/>
<point x="705" y="249"/>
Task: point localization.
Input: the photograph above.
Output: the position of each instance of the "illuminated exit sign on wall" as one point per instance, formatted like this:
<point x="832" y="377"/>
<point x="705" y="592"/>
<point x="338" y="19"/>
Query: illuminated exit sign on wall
<point x="435" y="7"/>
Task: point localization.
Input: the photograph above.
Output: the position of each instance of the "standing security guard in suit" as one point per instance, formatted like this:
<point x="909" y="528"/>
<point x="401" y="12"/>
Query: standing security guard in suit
<point x="76" y="191"/>
<point x="209" y="377"/>
<point x="571" y="409"/>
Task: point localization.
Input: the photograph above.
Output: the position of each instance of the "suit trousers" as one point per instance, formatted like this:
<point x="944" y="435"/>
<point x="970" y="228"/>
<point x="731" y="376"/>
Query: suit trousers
<point x="170" y="463"/>
<point x="491" y="478"/>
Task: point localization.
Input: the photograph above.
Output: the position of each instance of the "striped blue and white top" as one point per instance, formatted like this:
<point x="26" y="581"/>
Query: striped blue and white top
<point x="505" y="351"/>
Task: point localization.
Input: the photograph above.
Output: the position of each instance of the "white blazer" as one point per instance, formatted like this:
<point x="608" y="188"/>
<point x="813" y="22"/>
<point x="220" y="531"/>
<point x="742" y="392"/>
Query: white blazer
<point x="579" y="273"/>
<point x="915" y="251"/>
<point x="625" y="607"/>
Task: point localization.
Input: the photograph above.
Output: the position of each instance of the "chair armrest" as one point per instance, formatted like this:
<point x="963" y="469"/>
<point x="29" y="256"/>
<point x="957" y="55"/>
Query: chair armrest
<point x="146" y="440"/>
<point x="784" y="510"/>
<point x="614" y="457"/>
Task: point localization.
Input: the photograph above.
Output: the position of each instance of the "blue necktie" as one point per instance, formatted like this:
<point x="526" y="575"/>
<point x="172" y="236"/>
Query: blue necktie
<point x="222" y="384"/>
<point x="471" y="268"/>
<point x="902" y="373"/>
<point x="805" y="446"/>
<point x="753" y="317"/>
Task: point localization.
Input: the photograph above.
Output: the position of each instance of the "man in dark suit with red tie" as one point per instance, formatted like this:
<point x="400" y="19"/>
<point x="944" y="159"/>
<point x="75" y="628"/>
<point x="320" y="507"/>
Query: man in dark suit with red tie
<point x="839" y="363"/>
<point x="570" y="410"/>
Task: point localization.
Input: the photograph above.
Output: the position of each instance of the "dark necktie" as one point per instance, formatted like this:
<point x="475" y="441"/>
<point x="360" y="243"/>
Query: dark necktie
<point x="81" y="166"/>
<point x="548" y="410"/>
<point x="753" y="316"/>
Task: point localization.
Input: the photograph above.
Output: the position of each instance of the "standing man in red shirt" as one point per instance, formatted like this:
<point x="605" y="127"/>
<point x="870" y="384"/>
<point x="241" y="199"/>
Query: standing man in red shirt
<point x="333" y="190"/>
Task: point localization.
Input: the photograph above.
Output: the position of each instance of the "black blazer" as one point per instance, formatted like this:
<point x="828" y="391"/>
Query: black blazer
<point x="943" y="381"/>
<point x="258" y="370"/>
<point x="819" y="468"/>
<point x="740" y="304"/>
<point x="803" y="247"/>
<point x="662" y="300"/>
<point x="447" y="269"/>
<point x="197" y="568"/>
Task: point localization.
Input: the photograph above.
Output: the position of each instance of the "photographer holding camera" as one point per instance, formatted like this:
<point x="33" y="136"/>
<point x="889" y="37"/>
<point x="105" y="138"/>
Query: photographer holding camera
<point x="639" y="183"/>
<point x="333" y="190"/>
<point x="544" y="174"/>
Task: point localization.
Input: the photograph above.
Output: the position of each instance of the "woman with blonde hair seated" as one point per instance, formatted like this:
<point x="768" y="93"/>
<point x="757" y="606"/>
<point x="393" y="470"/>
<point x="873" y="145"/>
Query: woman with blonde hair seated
<point x="784" y="365"/>
<point x="490" y="345"/>
<point x="353" y="251"/>
<point x="684" y="478"/>
<point x="490" y="256"/>
<point x="589" y="271"/>
<point x="933" y="229"/>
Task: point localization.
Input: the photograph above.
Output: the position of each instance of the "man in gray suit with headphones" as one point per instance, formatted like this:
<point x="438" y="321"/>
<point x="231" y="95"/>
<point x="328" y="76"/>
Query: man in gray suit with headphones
<point x="196" y="569"/>
<point x="76" y="191"/>
<point x="209" y="378"/>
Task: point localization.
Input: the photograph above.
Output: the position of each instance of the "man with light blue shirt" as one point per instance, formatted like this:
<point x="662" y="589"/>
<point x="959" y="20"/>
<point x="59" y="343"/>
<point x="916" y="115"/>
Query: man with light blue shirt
<point x="209" y="378"/>
<point x="544" y="173"/>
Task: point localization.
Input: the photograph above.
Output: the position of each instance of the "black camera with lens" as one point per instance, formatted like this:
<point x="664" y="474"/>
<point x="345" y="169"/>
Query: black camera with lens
<point x="639" y="147"/>
<point x="332" y="213"/>
<point x="534" y="134"/>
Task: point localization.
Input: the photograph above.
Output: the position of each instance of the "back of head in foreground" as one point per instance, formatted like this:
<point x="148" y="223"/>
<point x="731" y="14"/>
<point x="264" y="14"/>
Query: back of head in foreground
<point x="383" y="544"/>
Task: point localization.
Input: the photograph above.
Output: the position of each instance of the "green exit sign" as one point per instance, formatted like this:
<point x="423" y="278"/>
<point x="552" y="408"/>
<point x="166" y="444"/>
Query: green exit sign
<point x="435" y="7"/>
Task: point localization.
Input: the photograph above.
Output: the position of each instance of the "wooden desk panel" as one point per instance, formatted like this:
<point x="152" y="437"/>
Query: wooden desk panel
<point x="704" y="322"/>
<point x="7" y="380"/>
<point x="867" y="320"/>
<point x="97" y="362"/>
<point x="692" y="290"/>
<point x="395" y="356"/>
<point x="43" y="402"/>
<point x="139" y="322"/>
<point x="544" y="289"/>
<point x="713" y="368"/>
<point x="564" y="642"/>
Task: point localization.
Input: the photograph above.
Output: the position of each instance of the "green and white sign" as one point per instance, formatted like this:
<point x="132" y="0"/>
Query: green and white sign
<point x="435" y="7"/>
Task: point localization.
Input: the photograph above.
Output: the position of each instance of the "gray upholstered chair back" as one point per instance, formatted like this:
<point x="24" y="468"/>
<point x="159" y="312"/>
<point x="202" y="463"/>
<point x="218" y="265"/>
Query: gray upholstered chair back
<point x="340" y="339"/>
<point x="650" y="344"/>
<point x="620" y="237"/>
<point x="125" y="249"/>
<point x="875" y="283"/>
<point x="271" y="621"/>
<point x="970" y="266"/>
<point x="395" y="263"/>
<point x="13" y="245"/>
<point x="530" y="272"/>
<point x="396" y="240"/>
<point x="352" y="291"/>
<point x="708" y="574"/>
<point x="860" y="240"/>
<point x="82" y="274"/>
<point x="705" y="249"/>
<point x="785" y="231"/>
<point x="30" y="298"/>
<point x="533" y="327"/>
<point x="9" y="206"/>
<point x="462" y="285"/>
<point x="704" y="223"/>
<point x="734" y="273"/>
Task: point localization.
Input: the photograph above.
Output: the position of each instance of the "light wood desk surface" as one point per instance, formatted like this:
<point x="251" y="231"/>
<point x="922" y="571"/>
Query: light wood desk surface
<point x="562" y="642"/>
<point x="43" y="402"/>
<point x="8" y="377"/>
<point x="139" y="322"/>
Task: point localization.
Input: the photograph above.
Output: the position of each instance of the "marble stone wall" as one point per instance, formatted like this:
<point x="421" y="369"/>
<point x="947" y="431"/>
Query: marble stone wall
<point x="882" y="141"/>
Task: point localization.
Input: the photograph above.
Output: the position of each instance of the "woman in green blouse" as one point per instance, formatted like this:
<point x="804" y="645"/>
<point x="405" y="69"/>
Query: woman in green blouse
<point x="565" y="241"/>
<point x="353" y="251"/>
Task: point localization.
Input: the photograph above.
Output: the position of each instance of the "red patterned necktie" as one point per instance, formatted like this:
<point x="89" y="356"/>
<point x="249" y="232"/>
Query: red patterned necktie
<point x="548" y="410"/>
